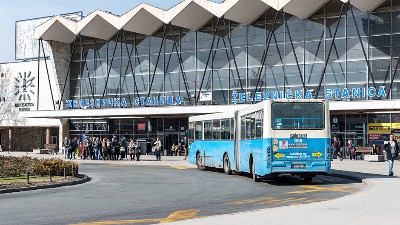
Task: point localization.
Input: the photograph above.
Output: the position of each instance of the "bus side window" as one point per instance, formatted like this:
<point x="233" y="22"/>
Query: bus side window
<point x="208" y="130"/>
<point x="191" y="132"/>
<point x="225" y="129"/>
<point x="198" y="129"/>
<point x="216" y="129"/>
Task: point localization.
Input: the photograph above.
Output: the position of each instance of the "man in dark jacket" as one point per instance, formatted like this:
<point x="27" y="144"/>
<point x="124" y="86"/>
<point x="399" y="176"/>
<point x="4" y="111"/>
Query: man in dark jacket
<point x="392" y="149"/>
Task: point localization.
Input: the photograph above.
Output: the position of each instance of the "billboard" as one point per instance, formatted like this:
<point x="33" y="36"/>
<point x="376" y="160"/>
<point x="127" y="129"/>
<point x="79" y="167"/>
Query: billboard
<point x="26" y="46"/>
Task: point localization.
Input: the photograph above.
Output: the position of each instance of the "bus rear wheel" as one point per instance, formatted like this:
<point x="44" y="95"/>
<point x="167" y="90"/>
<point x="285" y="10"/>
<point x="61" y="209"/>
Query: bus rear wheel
<point x="227" y="165"/>
<point x="199" y="162"/>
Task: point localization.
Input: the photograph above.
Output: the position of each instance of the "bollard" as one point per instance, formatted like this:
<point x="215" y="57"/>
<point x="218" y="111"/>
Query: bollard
<point x="65" y="174"/>
<point x="27" y="177"/>
<point x="73" y="171"/>
<point x="51" y="180"/>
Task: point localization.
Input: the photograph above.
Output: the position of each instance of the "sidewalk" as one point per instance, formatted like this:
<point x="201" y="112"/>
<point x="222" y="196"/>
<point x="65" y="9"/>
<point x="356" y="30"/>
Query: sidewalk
<point x="377" y="204"/>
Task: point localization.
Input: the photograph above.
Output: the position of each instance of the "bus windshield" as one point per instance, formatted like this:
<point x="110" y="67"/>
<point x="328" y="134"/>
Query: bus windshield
<point x="297" y="116"/>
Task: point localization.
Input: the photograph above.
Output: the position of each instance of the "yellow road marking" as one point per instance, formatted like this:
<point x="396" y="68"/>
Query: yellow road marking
<point x="344" y="189"/>
<point x="248" y="201"/>
<point x="178" y="167"/>
<point x="176" y="216"/>
<point x="282" y="201"/>
<point x="181" y="215"/>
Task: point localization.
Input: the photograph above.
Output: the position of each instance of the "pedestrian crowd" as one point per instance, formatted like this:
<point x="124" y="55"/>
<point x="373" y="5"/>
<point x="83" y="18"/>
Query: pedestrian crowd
<point x="94" y="148"/>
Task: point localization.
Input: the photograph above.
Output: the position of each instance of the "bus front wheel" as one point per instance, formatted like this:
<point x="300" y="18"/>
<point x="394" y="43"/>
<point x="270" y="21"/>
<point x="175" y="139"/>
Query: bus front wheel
<point x="199" y="162"/>
<point x="227" y="165"/>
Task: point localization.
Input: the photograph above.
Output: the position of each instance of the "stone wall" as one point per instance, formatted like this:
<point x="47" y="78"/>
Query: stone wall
<point x="26" y="139"/>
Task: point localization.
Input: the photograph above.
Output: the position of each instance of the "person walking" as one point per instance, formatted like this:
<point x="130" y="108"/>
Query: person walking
<point x="391" y="147"/>
<point x="157" y="146"/>
<point x="336" y="148"/>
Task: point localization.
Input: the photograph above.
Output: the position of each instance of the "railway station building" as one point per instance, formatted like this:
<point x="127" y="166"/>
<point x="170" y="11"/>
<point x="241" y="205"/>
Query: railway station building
<point x="143" y="73"/>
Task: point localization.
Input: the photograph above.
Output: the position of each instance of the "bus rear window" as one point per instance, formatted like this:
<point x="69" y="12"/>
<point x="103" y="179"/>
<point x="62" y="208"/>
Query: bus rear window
<point x="297" y="116"/>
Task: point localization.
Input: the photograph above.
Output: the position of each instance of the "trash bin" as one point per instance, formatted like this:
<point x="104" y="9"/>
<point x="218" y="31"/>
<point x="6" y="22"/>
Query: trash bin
<point x="165" y="152"/>
<point x="384" y="155"/>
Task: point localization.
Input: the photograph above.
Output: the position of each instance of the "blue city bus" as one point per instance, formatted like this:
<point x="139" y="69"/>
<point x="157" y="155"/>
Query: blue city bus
<point x="266" y="139"/>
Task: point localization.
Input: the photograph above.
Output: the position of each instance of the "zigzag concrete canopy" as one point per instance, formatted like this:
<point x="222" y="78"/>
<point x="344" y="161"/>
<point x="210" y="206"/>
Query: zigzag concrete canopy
<point x="190" y="14"/>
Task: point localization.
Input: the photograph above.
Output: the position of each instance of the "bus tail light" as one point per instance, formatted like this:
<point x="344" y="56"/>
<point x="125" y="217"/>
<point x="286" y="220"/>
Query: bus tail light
<point x="269" y="153"/>
<point x="328" y="154"/>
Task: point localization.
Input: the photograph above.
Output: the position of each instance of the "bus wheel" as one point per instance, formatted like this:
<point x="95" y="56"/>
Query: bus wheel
<point x="253" y="173"/>
<point x="199" y="162"/>
<point x="227" y="165"/>
<point x="307" y="179"/>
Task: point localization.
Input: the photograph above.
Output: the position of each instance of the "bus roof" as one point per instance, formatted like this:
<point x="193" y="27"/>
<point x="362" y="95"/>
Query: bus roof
<point x="249" y="109"/>
<point x="225" y="115"/>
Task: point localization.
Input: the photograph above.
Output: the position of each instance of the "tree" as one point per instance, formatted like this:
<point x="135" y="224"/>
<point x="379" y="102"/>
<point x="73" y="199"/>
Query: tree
<point x="9" y="115"/>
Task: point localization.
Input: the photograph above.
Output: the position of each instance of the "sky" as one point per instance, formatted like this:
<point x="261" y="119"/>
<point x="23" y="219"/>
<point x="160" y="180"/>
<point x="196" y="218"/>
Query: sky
<point x="12" y="11"/>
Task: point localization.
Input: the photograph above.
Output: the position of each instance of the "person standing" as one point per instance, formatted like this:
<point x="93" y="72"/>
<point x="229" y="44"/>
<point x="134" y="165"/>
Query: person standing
<point x="65" y="147"/>
<point x="97" y="147"/>
<point x="391" y="147"/>
<point x="336" y="148"/>
<point x="157" y="145"/>
<point x="104" y="148"/>
<point x="109" y="149"/>
<point x="148" y="146"/>
<point x="138" y="150"/>
<point x="132" y="150"/>
<point x="117" y="147"/>
<point x="374" y="149"/>
<point x="351" y="150"/>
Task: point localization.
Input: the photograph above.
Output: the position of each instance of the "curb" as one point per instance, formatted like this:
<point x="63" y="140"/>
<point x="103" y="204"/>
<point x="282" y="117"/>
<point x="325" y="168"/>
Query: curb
<point x="84" y="179"/>
<point x="363" y="180"/>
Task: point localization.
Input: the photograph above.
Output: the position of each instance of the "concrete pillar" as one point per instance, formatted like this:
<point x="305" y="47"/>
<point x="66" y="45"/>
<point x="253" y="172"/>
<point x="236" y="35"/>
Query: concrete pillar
<point x="10" y="139"/>
<point x="63" y="131"/>
<point x="48" y="135"/>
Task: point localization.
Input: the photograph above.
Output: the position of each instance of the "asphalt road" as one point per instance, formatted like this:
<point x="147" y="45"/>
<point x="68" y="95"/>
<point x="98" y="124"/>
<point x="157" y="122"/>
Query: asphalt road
<point x="127" y="194"/>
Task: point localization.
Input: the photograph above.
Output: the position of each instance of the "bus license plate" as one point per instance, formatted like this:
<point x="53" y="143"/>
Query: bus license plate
<point x="298" y="166"/>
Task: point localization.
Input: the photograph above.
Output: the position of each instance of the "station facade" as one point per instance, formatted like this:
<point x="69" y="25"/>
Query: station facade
<point x="142" y="74"/>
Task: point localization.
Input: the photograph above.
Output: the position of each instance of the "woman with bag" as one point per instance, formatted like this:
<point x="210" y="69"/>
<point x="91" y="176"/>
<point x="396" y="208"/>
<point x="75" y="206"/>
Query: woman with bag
<point x="391" y="147"/>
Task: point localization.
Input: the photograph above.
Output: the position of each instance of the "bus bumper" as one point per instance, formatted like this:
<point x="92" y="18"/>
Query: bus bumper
<point x="313" y="167"/>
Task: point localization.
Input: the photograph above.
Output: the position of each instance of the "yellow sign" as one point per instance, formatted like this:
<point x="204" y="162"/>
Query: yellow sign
<point x="382" y="128"/>
<point x="279" y="155"/>
<point x="318" y="154"/>
<point x="275" y="148"/>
